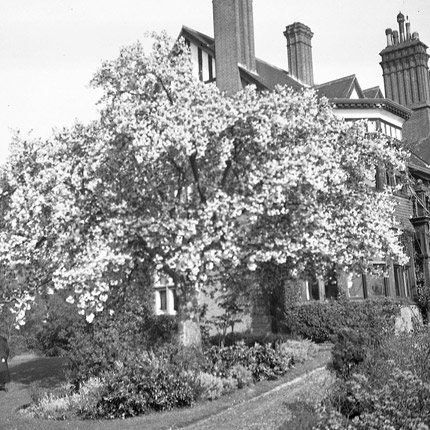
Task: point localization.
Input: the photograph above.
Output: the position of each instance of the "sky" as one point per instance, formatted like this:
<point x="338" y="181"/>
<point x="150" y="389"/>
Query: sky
<point x="50" y="49"/>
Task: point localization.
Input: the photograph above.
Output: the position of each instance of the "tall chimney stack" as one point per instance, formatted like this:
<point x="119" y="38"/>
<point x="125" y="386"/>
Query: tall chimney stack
<point x="405" y="68"/>
<point x="299" y="50"/>
<point x="234" y="42"/>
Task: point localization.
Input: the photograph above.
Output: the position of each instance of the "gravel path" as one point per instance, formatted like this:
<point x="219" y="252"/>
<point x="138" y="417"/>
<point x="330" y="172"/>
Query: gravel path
<point x="269" y="410"/>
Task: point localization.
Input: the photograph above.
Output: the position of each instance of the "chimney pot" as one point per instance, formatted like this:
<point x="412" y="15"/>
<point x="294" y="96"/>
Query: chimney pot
<point x="401" y="21"/>
<point x="408" y="30"/>
<point x="395" y="37"/>
<point x="389" y="34"/>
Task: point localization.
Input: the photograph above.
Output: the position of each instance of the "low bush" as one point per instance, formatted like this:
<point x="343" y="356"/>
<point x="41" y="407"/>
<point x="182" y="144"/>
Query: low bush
<point x="382" y="385"/>
<point x="403" y="402"/>
<point x="248" y="338"/>
<point x="212" y="386"/>
<point x="351" y="348"/>
<point x="63" y="404"/>
<point x="131" y="382"/>
<point x="135" y="390"/>
<point x="263" y="361"/>
<point x="299" y="350"/>
<point x="319" y="321"/>
<point x="242" y="375"/>
<point x="95" y="348"/>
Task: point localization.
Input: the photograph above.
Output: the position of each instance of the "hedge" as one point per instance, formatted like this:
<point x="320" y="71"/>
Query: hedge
<point x="319" y="321"/>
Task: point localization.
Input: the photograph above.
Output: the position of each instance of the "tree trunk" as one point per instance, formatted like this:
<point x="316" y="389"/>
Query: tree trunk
<point x="189" y="317"/>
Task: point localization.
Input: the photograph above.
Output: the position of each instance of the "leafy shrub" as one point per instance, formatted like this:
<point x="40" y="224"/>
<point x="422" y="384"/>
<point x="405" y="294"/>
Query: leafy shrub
<point x="63" y="403"/>
<point x="242" y="375"/>
<point x="299" y="350"/>
<point x="95" y="348"/>
<point x="304" y="417"/>
<point x="229" y="384"/>
<point x="137" y="388"/>
<point x="160" y="330"/>
<point x="248" y="338"/>
<point x="262" y="361"/>
<point x="351" y="348"/>
<point x="320" y="321"/>
<point x="403" y="402"/>
<point x="387" y="386"/>
<point x="211" y="385"/>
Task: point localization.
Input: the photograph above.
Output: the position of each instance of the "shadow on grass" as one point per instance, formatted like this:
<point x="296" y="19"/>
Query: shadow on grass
<point x="49" y="372"/>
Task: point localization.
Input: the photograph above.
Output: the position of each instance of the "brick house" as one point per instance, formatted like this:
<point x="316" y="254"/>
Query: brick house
<point x="229" y="59"/>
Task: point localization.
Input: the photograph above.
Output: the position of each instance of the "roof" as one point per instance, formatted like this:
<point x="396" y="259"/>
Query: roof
<point x="373" y="93"/>
<point x="267" y="76"/>
<point x="341" y="88"/>
<point x="422" y="149"/>
<point x="205" y="42"/>
<point x="339" y="91"/>
<point x="373" y="103"/>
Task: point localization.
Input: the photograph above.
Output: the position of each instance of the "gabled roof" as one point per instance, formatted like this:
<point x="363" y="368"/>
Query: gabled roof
<point x="267" y="76"/>
<point x="272" y="76"/>
<point x="341" y="88"/>
<point x="373" y="93"/>
<point x="202" y="40"/>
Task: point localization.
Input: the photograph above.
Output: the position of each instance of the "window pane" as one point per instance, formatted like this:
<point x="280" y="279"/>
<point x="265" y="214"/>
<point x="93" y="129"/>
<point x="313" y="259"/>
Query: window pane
<point x="356" y="289"/>
<point x="314" y="291"/>
<point x="398" y="280"/>
<point x="163" y="300"/>
<point x="375" y="285"/>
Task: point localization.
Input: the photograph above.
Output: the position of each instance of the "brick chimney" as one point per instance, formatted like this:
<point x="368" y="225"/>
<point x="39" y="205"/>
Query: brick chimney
<point x="234" y="42"/>
<point x="405" y="67"/>
<point x="299" y="50"/>
<point x="406" y="77"/>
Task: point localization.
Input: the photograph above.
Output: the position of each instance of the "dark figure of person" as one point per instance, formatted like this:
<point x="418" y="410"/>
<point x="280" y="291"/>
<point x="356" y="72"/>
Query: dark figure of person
<point x="4" y="369"/>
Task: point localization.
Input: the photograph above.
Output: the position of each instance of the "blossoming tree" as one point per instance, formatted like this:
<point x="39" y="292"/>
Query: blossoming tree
<point x="196" y="185"/>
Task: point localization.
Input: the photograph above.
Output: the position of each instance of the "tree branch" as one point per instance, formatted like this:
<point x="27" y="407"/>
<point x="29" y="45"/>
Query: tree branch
<point x="195" y="170"/>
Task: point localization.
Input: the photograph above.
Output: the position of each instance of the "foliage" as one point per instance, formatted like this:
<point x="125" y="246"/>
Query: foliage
<point x="64" y="404"/>
<point x="51" y="324"/>
<point x="402" y="402"/>
<point x="248" y="338"/>
<point x="178" y="179"/>
<point x="242" y="375"/>
<point x="304" y="417"/>
<point x="299" y="350"/>
<point x="136" y="389"/>
<point x="388" y="387"/>
<point x="138" y="382"/>
<point x="213" y="386"/>
<point x="263" y="361"/>
<point x="320" y="321"/>
<point x="96" y="348"/>
<point x="233" y="308"/>
<point x="350" y="350"/>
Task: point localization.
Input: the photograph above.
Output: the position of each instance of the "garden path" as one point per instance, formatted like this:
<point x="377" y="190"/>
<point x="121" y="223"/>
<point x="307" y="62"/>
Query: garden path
<point x="270" y="410"/>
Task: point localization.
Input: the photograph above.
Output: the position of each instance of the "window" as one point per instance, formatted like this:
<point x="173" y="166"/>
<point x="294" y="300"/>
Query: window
<point x="402" y="280"/>
<point x="313" y="289"/>
<point x="330" y="283"/>
<point x="163" y="300"/>
<point x="356" y="288"/>
<point x="376" y="286"/>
